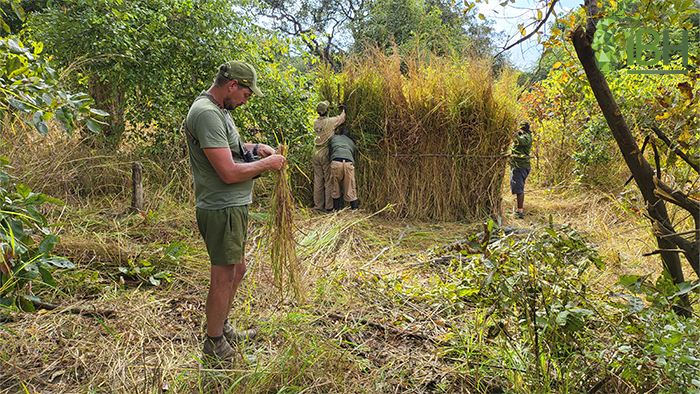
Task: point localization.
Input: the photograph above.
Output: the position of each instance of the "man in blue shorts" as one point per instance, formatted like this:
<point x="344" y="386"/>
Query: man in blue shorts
<point x="223" y="168"/>
<point x="520" y="165"/>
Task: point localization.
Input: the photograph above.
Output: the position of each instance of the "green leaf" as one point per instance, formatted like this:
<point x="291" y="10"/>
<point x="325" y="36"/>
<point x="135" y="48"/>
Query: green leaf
<point x="7" y="301"/>
<point x="635" y="304"/>
<point x="99" y="112"/>
<point x="154" y="281"/>
<point x="59" y="262"/>
<point x="16" y="229"/>
<point x="47" y="277"/>
<point x="93" y="126"/>
<point x="15" y="48"/>
<point x="25" y="304"/>
<point x="685" y="288"/>
<point x="688" y="359"/>
<point x="627" y="280"/>
<point x="34" y="214"/>
<point x="20" y="105"/>
<point x="23" y="190"/>
<point x="48" y="243"/>
<point x="38" y="120"/>
<point x="598" y="262"/>
<point x="561" y="318"/>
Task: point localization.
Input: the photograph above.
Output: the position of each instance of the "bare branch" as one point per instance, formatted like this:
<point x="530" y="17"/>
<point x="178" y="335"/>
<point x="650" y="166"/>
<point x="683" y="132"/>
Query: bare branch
<point x="537" y="28"/>
<point x="690" y="249"/>
<point x="665" y="192"/>
<point x="676" y="149"/>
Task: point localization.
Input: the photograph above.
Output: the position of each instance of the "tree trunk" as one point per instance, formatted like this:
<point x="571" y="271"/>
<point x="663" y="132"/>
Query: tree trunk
<point x="109" y="99"/>
<point x="137" y="180"/>
<point x="641" y="170"/>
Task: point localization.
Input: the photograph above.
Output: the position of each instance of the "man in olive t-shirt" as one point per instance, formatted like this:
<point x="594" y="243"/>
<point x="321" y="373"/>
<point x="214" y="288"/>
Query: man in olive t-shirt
<point x="223" y="185"/>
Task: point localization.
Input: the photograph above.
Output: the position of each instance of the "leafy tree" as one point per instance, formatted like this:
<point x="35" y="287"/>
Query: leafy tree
<point x="31" y="93"/>
<point x="25" y="242"/>
<point x="143" y="61"/>
<point x="317" y="24"/>
<point x="14" y="21"/>
<point x="329" y="28"/>
<point x="655" y="192"/>
<point x="402" y="22"/>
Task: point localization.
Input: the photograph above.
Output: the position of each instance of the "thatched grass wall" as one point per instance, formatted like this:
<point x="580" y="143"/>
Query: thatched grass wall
<point x="431" y="134"/>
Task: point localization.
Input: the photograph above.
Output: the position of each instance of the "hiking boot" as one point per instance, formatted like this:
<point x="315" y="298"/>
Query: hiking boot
<point x="354" y="204"/>
<point x="336" y="204"/>
<point x="235" y="336"/>
<point x="520" y="215"/>
<point x="218" y="348"/>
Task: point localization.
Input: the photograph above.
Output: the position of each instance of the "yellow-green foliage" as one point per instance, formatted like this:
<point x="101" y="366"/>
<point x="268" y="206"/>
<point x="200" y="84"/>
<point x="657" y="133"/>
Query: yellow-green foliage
<point x="431" y="133"/>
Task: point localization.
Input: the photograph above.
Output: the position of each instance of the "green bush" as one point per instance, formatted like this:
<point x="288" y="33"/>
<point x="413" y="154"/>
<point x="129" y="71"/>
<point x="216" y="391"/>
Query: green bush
<point x="26" y="241"/>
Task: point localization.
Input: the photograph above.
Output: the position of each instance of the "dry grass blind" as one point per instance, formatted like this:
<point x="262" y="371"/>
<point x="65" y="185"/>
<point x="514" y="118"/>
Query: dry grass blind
<point x="431" y="132"/>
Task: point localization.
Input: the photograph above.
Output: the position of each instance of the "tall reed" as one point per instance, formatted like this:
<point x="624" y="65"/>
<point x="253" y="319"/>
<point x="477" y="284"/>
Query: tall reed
<point x="432" y="133"/>
<point x="283" y="245"/>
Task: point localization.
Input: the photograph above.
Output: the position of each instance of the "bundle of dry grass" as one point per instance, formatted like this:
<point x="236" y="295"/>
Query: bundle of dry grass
<point x="431" y="132"/>
<point x="282" y="244"/>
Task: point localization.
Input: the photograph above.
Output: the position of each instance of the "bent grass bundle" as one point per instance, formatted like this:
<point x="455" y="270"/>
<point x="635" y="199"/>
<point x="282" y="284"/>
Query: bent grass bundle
<point x="432" y="134"/>
<point x="282" y="244"/>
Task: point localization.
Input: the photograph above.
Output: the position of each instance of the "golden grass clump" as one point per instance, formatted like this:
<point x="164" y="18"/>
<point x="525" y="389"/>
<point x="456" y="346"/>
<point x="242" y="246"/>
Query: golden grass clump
<point x="431" y="133"/>
<point x="283" y="255"/>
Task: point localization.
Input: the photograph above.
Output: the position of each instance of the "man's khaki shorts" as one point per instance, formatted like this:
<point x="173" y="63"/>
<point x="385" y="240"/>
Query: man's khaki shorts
<point x="225" y="232"/>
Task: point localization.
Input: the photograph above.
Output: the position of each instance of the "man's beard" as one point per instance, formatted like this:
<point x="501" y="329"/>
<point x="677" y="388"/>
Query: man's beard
<point x="229" y="105"/>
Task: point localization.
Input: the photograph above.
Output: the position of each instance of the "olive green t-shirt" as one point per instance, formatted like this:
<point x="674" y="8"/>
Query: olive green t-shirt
<point x="213" y="127"/>
<point x="341" y="147"/>
<point x="522" y="143"/>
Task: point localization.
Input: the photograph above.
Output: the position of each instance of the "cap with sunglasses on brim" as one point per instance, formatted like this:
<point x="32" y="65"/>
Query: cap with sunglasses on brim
<point x="525" y="126"/>
<point x="242" y="72"/>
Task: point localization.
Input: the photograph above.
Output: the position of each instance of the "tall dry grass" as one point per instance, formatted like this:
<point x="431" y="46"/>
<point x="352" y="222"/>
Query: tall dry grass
<point x="431" y="132"/>
<point x="70" y="169"/>
<point x="283" y="254"/>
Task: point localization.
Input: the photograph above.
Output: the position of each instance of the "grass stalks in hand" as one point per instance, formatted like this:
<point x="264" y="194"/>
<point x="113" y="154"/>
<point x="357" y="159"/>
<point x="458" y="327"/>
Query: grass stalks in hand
<point x="283" y="246"/>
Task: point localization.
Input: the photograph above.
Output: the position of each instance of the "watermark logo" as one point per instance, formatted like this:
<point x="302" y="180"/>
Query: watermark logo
<point x="650" y="50"/>
<point x="650" y="54"/>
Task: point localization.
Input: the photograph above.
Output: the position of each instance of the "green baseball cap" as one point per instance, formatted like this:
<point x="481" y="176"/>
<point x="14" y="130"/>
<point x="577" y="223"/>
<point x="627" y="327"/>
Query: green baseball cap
<point x="242" y="72"/>
<point x="322" y="107"/>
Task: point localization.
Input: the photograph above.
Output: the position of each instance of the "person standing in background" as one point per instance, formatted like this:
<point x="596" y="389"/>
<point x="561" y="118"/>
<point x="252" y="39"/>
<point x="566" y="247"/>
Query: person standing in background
<point x="341" y="150"/>
<point x="324" y="128"/>
<point x="520" y="165"/>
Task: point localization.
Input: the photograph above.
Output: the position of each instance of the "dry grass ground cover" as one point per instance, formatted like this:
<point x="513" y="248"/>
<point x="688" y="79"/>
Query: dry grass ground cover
<point x="375" y="320"/>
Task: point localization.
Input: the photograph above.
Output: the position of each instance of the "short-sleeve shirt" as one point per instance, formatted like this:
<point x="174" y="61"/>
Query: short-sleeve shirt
<point x="522" y="144"/>
<point x="213" y="127"/>
<point x="341" y="147"/>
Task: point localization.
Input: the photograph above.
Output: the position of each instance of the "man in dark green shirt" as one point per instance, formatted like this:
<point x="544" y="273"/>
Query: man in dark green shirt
<point x="340" y="152"/>
<point x="520" y="165"/>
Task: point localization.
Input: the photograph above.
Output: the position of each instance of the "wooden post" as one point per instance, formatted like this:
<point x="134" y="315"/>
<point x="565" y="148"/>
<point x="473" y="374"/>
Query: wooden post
<point x="137" y="180"/>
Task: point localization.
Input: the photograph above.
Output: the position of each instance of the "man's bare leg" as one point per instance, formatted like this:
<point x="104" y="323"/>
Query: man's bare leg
<point x="521" y="200"/>
<point x="222" y="290"/>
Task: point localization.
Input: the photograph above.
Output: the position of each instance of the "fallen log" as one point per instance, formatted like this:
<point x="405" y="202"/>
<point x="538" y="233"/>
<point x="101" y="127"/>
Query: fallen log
<point x="78" y="311"/>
